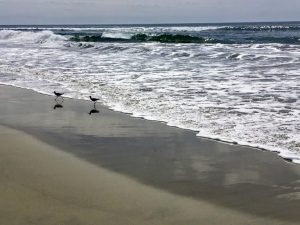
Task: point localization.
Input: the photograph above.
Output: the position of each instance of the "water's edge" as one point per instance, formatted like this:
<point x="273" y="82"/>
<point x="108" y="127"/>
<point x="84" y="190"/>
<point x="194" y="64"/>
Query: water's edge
<point x="284" y="157"/>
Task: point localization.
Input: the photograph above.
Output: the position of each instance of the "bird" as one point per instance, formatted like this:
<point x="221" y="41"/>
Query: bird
<point x="58" y="94"/>
<point x="94" y="99"/>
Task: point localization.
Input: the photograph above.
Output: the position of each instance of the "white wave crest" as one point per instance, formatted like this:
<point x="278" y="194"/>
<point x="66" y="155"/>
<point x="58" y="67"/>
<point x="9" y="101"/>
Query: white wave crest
<point x="29" y="36"/>
<point x="116" y="35"/>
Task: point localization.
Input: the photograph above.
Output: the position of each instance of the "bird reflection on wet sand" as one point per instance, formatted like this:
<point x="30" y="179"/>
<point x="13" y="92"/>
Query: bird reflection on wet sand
<point x="94" y="110"/>
<point x="58" y="103"/>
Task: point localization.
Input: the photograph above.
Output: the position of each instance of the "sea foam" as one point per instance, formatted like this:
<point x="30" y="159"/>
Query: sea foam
<point x="244" y="93"/>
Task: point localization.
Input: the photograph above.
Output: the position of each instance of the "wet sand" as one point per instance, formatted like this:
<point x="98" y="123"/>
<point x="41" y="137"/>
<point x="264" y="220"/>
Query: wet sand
<point x="64" y="166"/>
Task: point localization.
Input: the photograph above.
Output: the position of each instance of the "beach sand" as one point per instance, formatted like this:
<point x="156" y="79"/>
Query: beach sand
<point x="65" y="166"/>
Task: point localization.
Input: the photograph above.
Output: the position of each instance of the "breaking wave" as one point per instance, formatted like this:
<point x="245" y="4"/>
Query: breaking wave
<point x="239" y="34"/>
<point x="162" y="38"/>
<point x="30" y="36"/>
<point x="179" y="38"/>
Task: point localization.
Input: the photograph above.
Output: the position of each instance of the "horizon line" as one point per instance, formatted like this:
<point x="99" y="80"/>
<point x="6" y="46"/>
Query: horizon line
<point x="166" y="23"/>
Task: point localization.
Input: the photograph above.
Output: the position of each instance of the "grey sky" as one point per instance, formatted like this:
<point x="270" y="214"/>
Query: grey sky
<point x="150" y="11"/>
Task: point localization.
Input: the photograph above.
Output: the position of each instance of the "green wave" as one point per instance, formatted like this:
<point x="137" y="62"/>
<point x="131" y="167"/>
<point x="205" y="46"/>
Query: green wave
<point x="162" y="38"/>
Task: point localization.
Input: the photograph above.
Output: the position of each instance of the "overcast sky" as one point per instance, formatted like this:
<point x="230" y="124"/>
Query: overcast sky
<point x="146" y="11"/>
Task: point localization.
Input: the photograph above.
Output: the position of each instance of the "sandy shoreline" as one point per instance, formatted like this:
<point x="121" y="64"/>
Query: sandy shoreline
<point x="65" y="166"/>
<point x="43" y="185"/>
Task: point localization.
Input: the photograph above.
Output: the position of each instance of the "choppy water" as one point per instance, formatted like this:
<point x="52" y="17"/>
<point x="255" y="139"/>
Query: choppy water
<point x="234" y="82"/>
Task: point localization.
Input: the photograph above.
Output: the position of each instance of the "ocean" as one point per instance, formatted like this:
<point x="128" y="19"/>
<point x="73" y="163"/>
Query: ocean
<point x="237" y="83"/>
